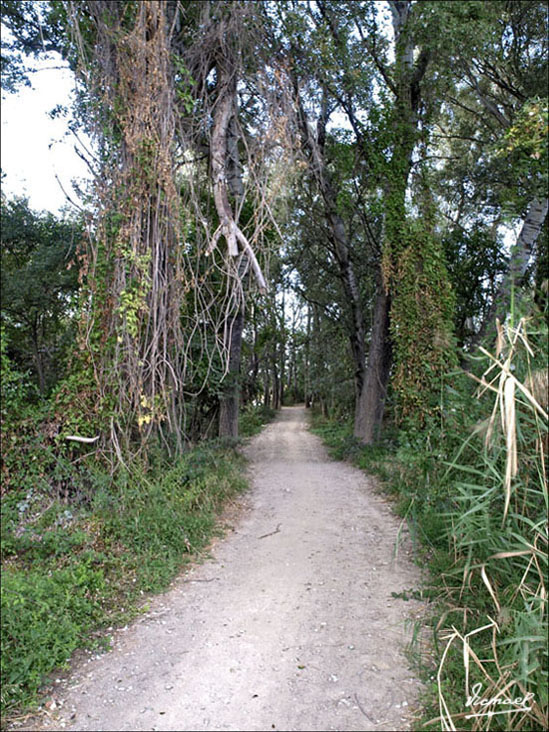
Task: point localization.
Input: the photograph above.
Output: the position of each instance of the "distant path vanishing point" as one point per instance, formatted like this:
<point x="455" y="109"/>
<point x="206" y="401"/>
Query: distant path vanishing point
<point x="291" y="625"/>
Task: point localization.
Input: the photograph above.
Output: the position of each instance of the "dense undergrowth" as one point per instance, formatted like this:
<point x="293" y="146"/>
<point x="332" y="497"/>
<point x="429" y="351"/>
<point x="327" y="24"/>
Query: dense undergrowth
<point x="252" y="419"/>
<point x="81" y="545"/>
<point x="473" y="490"/>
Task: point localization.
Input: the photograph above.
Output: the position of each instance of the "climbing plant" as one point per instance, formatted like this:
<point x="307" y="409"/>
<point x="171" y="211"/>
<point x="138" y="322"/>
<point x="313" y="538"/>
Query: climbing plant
<point x="421" y="326"/>
<point x="135" y="280"/>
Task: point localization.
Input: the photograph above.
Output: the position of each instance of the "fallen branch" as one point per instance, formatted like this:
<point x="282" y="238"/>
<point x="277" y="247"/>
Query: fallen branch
<point x="276" y="531"/>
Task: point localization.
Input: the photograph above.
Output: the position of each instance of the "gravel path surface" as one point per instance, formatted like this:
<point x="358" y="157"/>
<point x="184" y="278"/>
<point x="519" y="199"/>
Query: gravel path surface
<point x="290" y="625"/>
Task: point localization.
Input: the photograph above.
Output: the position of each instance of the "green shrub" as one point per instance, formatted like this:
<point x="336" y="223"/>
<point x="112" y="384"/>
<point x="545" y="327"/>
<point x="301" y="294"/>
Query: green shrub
<point x="71" y="569"/>
<point x="45" y="617"/>
<point x="251" y="419"/>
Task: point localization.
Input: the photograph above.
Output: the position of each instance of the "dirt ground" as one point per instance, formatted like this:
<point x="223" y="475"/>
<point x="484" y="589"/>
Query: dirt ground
<point x="289" y="625"/>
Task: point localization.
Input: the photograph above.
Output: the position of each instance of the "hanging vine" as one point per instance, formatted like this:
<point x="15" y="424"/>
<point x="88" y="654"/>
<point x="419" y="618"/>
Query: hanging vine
<point x="161" y="292"/>
<point x="136" y="278"/>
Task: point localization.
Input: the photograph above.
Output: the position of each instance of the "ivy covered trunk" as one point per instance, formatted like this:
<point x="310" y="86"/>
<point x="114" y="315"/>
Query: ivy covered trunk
<point x="422" y="316"/>
<point x="132" y="325"/>
<point x="413" y="264"/>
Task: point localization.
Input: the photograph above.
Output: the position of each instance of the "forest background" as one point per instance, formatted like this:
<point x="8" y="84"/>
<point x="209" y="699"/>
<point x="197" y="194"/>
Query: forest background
<point x="336" y="203"/>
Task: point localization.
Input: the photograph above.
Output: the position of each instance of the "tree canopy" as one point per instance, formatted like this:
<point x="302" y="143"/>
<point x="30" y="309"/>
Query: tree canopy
<point x="377" y="149"/>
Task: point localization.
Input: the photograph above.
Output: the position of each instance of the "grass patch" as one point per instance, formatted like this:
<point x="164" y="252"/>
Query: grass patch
<point x="71" y="571"/>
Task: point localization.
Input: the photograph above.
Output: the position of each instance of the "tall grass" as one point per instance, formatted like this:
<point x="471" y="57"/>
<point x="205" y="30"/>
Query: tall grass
<point x="498" y="535"/>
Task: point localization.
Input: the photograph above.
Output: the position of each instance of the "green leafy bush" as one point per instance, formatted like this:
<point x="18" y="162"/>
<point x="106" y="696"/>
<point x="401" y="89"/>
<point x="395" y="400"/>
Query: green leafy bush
<point x="252" y="419"/>
<point x="71" y="569"/>
<point x="45" y="617"/>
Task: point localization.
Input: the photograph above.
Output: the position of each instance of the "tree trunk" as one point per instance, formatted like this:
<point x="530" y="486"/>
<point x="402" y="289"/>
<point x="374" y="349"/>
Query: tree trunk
<point x="371" y="405"/>
<point x="307" y="362"/>
<point x="249" y="391"/>
<point x="229" y="403"/>
<point x="520" y="257"/>
<point x="282" y="353"/>
<point x="340" y="245"/>
<point x="542" y="269"/>
<point x="266" y="388"/>
<point x="356" y="326"/>
<point x="227" y="174"/>
<point x="275" y="383"/>
<point x="38" y="356"/>
<point x="524" y="247"/>
<point x="251" y="388"/>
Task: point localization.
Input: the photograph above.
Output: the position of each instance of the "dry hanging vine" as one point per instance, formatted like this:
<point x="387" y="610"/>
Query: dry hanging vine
<point x="161" y="293"/>
<point x="136" y="277"/>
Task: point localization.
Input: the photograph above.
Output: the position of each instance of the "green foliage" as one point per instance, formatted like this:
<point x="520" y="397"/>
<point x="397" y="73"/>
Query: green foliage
<point x="252" y="419"/>
<point x="14" y="386"/>
<point x="422" y="324"/>
<point x="39" y="281"/>
<point x="45" y="617"/>
<point x="183" y="85"/>
<point x="337" y="435"/>
<point x="525" y="147"/>
<point x="475" y="261"/>
<point x="71" y="569"/>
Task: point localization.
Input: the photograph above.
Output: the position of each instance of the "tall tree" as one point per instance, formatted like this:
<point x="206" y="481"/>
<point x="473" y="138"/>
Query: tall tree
<point x="39" y="277"/>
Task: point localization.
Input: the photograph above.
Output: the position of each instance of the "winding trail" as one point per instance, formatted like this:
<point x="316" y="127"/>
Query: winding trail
<point x="290" y="625"/>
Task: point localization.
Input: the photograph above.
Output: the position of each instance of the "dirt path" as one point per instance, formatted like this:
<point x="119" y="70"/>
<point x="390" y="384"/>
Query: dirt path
<point x="290" y="626"/>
